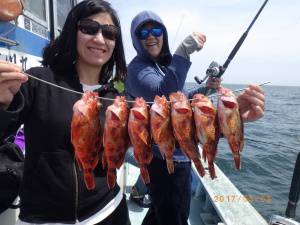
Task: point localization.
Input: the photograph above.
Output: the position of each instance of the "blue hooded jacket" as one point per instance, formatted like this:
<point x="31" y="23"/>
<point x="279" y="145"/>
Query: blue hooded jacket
<point x="147" y="77"/>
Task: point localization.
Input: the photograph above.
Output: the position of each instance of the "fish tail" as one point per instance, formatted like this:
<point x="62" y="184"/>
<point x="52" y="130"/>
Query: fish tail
<point x="170" y="165"/>
<point x="204" y="154"/>
<point x="211" y="169"/>
<point x="145" y="174"/>
<point x="111" y="178"/>
<point x="210" y="159"/>
<point x="199" y="167"/>
<point x="237" y="160"/>
<point x="89" y="179"/>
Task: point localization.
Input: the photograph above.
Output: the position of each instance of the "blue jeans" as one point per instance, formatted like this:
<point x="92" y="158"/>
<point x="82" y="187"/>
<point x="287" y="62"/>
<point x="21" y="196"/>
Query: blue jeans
<point x="139" y="184"/>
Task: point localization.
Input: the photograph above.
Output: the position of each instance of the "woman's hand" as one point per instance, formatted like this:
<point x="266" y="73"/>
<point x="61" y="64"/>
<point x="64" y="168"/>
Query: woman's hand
<point x="11" y="79"/>
<point x="252" y="103"/>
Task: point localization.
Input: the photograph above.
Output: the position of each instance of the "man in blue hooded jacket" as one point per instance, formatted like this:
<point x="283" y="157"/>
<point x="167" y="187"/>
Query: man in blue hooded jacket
<point x="154" y="71"/>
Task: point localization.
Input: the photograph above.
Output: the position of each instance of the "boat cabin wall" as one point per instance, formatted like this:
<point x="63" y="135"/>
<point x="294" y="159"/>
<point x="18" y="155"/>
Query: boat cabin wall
<point x="22" y="41"/>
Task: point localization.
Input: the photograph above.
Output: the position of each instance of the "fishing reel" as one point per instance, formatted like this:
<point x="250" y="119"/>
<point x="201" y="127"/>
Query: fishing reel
<point x="214" y="70"/>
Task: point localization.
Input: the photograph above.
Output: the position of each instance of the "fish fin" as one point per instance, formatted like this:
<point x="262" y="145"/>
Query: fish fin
<point x="111" y="178"/>
<point x="211" y="169"/>
<point x="89" y="179"/>
<point x="199" y="167"/>
<point x="144" y="136"/>
<point x="158" y="133"/>
<point x="145" y="174"/>
<point x="170" y="166"/>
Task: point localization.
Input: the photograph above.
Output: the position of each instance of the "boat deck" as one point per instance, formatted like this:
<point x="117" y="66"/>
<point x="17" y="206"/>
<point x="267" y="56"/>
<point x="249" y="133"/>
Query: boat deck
<point x="199" y="209"/>
<point x="205" y="210"/>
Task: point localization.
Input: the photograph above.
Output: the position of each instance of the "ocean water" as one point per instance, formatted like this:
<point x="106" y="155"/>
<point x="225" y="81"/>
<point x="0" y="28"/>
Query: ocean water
<point x="271" y="148"/>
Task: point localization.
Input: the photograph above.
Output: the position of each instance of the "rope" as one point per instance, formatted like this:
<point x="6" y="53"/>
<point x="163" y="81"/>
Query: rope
<point x="111" y="99"/>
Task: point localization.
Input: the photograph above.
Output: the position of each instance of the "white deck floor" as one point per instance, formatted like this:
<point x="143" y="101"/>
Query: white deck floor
<point x="137" y="213"/>
<point x="203" y="210"/>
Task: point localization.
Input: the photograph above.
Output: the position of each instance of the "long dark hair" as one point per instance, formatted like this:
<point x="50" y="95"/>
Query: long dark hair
<point x="61" y="53"/>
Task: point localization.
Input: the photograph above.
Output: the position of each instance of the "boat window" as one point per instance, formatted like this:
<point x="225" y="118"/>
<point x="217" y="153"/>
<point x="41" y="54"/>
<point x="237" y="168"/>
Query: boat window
<point x="37" y="8"/>
<point x="63" y="8"/>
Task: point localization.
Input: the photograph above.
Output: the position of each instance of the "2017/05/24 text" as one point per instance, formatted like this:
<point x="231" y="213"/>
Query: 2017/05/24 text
<point x="243" y="198"/>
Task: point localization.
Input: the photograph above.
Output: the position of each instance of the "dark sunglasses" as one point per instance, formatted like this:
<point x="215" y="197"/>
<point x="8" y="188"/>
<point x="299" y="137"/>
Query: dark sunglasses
<point x="92" y="27"/>
<point x="144" y="32"/>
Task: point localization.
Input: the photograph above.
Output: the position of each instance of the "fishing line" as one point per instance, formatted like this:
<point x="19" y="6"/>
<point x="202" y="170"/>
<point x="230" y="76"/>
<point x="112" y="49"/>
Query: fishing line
<point x="177" y="31"/>
<point x="63" y="88"/>
<point x="237" y="90"/>
<point x="112" y="99"/>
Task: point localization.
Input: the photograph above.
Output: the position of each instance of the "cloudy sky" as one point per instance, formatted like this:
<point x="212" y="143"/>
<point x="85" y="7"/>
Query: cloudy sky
<point x="271" y="51"/>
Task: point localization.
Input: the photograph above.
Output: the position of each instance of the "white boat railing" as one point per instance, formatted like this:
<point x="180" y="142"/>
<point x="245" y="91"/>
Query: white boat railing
<point x="230" y="204"/>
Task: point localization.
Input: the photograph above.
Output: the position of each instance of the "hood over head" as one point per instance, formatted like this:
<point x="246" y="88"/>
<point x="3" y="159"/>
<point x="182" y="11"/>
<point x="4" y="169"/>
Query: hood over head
<point x="138" y="21"/>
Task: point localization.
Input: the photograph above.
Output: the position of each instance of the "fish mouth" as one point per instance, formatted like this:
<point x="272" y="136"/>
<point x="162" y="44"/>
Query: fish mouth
<point x="182" y="110"/>
<point x="158" y="110"/>
<point x="229" y="104"/>
<point x="115" y="116"/>
<point x="138" y="114"/>
<point x="207" y="110"/>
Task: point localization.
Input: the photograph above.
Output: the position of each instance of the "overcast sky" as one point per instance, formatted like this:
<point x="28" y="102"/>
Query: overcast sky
<point x="271" y="51"/>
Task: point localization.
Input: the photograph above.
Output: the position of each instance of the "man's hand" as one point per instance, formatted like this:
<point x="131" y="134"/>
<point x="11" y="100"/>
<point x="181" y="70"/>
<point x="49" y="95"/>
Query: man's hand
<point x="252" y="103"/>
<point x="200" y="39"/>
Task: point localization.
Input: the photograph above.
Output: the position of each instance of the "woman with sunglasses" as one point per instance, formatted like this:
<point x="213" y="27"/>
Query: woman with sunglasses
<point x="154" y="71"/>
<point x="82" y="58"/>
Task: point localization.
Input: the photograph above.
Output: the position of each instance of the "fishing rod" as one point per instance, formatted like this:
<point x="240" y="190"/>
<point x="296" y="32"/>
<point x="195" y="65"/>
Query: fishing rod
<point x="294" y="191"/>
<point x="216" y="70"/>
<point x="293" y="199"/>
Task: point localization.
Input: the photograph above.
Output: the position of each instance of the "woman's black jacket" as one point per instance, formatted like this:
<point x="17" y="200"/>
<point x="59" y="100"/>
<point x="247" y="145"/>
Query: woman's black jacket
<point x="53" y="188"/>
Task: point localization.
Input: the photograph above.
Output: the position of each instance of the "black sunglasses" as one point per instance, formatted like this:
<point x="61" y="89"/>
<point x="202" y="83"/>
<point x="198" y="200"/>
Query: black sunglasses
<point x="144" y="32"/>
<point x="91" y="27"/>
